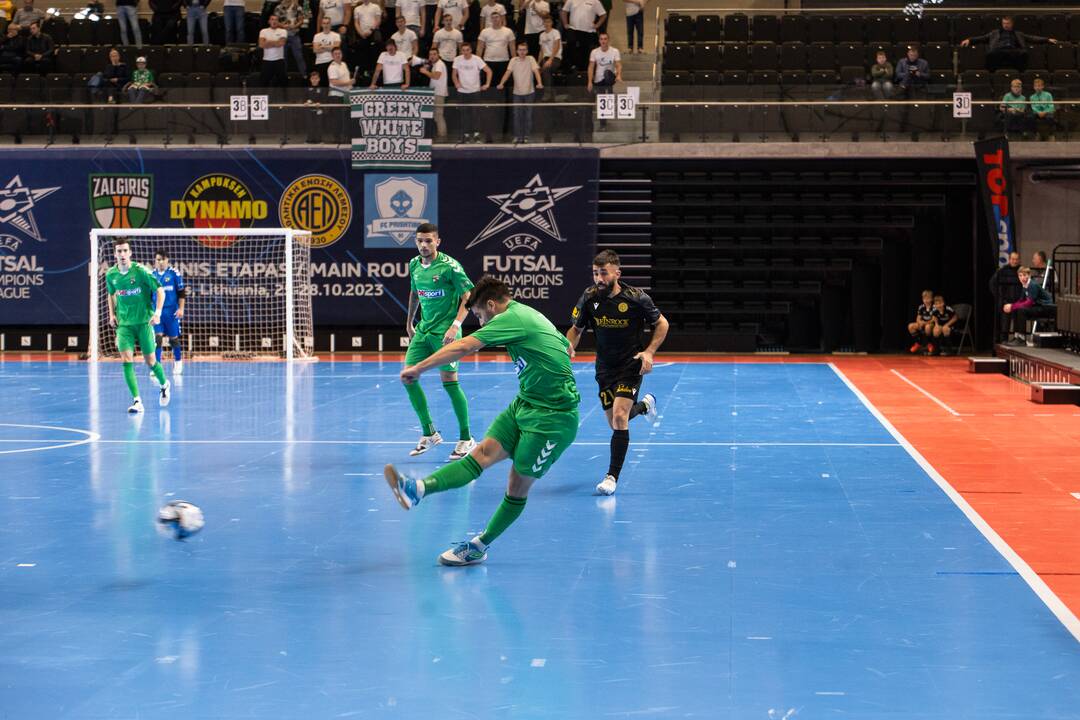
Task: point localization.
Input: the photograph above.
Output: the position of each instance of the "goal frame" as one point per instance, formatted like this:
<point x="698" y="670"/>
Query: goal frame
<point x="290" y="236"/>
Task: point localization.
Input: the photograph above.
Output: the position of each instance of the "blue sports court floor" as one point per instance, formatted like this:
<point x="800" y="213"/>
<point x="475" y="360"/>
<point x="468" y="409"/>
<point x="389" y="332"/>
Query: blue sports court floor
<point x="773" y="552"/>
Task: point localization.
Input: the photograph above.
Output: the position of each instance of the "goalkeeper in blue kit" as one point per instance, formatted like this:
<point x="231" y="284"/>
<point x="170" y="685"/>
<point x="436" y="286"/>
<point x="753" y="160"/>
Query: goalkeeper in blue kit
<point x="172" y="311"/>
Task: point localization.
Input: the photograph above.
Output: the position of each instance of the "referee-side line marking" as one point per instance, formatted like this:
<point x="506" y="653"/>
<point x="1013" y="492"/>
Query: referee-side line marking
<point x="303" y="441"/>
<point x="900" y="375"/>
<point x="1036" y="583"/>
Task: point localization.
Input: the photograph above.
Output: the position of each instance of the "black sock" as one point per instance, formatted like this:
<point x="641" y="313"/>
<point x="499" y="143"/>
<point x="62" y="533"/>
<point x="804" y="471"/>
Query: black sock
<point x="638" y="408"/>
<point x="620" y="441"/>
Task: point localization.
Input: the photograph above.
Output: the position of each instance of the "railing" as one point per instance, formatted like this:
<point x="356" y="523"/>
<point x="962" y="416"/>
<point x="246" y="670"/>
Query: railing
<point x="1065" y="263"/>
<point x="702" y="114"/>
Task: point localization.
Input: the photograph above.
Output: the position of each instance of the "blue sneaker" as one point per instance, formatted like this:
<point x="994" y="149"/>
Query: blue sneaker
<point x="470" y="552"/>
<point x="405" y="489"/>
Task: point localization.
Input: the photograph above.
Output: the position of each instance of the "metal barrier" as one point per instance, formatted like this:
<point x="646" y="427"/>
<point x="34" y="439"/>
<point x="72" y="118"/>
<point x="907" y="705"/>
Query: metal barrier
<point x="1065" y="263"/>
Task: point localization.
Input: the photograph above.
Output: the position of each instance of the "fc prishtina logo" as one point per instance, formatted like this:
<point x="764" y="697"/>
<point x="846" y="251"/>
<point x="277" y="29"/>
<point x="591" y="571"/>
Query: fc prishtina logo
<point x="394" y="207"/>
<point x="318" y="204"/>
<point x="120" y="200"/>
<point x="533" y="204"/>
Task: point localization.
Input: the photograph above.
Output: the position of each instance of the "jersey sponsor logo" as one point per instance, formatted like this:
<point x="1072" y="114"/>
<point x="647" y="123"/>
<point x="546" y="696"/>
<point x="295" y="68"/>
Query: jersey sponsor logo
<point x="575" y="314"/>
<point x="120" y="200"/>
<point x="533" y="205"/>
<point x="17" y="203"/>
<point x="623" y="307"/>
<point x="129" y="291"/>
<point x="217" y="201"/>
<point x="395" y="206"/>
<point x="611" y="323"/>
<point x="318" y="204"/>
<point x="428" y="294"/>
<point x="624" y="388"/>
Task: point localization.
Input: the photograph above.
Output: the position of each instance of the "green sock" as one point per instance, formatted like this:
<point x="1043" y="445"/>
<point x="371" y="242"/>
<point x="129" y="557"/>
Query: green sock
<point x="461" y="408"/>
<point x="505" y="515"/>
<point x="452" y="476"/>
<point x="419" y="404"/>
<point x="158" y="373"/>
<point x="129" y="378"/>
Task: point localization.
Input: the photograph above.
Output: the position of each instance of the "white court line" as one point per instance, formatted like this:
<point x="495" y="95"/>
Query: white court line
<point x="302" y="441"/>
<point x="1036" y="583"/>
<point x="89" y="437"/>
<point x="1075" y="495"/>
<point x="897" y="373"/>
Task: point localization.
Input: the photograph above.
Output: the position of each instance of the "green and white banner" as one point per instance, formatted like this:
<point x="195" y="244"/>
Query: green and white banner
<point x="393" y="128"/>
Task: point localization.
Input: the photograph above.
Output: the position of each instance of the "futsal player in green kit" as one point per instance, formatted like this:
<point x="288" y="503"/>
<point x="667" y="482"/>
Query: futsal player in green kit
<point x="135" y="301"/>
<point x="539" y="425"/>
<point x="440" y="288"/>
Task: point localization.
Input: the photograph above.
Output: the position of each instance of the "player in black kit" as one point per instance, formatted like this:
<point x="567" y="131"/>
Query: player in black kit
<point x="618" y="314"/>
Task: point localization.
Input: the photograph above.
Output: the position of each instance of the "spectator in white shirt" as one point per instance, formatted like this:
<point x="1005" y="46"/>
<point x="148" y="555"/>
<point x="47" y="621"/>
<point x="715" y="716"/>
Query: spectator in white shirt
<point x="435" y="71"/>
<point x="496" y="44"/>
<point x="335" y="10"/>
<point x="581" y="18"/>
<point x="272" y="40"/>
<point x="605" y="67"/>
<point x="448" y="39"/>
<point x="551" y="50"/>
<point x="526" y="74"/>
<point x="338" y="73"/>
<point x="407" y="41"/>
<point x="367" y="17"/>
<point x="534" y="10"/>
<point x="393" y="67"/>
<point x="457" y="9"/>
<point x="487" y="10"/>
<point x="415" y="14"/>
<point x="467" y="69"/>
<point x="635" y="21"/>
<point x="323" y="45"/>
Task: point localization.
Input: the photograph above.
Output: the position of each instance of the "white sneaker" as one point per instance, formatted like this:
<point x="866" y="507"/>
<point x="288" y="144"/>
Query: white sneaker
<point x="463" y="448"/>
<point x="607" y="485"/>
<point x="650" y="407"/>
<point x="426" y="443"/>
<point x="136" y="406"/>
<point x="178" y="367"/>
<point x="164" y="397"/>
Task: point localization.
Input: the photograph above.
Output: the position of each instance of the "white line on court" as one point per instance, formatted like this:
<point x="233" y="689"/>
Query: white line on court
<point x="1075" y="495"/>
<point x="88" y="437"/>
<point x="924" y="392"/>
<point x="302" y="441"/>
<point x="1036" y="583"/>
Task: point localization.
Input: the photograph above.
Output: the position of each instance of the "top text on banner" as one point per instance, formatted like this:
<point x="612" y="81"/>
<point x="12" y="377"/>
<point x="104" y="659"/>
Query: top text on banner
<point x="393" y="128"/>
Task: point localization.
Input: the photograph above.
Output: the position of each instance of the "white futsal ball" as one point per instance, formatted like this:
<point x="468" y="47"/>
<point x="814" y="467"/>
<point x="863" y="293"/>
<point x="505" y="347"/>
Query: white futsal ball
<point x="180" y="519"/>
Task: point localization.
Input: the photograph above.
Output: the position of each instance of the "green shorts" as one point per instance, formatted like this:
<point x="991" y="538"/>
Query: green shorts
<point x="534" y="437"/>
<point x="127" y="336"/>
<point x="424" y="345"/>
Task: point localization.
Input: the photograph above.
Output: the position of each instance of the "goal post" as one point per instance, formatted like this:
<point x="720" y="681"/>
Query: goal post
<point x="247" y="290"/>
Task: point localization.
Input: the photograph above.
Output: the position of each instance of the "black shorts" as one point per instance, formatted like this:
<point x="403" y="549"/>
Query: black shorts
<point x="624" y="382"/>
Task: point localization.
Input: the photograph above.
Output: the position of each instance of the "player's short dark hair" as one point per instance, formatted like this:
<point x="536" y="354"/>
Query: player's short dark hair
<point x="121" y="241"/>
<point x="606" y="257"/>
<point x="162" y="252"/>
<point x="1040" y="253"/>
<point x="428" y="228"/>
<point x="488" y="287"/>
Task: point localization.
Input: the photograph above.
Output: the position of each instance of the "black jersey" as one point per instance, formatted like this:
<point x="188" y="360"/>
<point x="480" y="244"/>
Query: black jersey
<point x="926" y="314"/>
<point x="944" y="315"/>
<point x="619" y="322"/>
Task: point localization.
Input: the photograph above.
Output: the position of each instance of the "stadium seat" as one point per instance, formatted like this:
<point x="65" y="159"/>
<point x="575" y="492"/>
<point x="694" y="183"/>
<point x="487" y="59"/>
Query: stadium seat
<point x="793" y="28"/>
<point x="206" y="57"/>
<point x="707" y="57"/>
<point x="216" y="25"/>
<point x="878" y="30"/>
<point x="793" y="56"/>
<point x="824" y="77"/>
<point x="1065" y="80"/>
<point x="30" y="88"/>
<point x="852" y="74"/>
<point x="56" y="28"/>
<point x="821" y="56"/>
<point x="1074" y="28"/>
<point x="968" y="26"/>
<point x="820" y="29"/>
<point x="937" y="55"/>
<point x="706" y="78"/>
<point x="852" y="54"/>
<point x="765" y="78"/>
<point x="766" y="28"/>
<point x="763" y="56"/>
<point x="180" y="59"/>
<point x="936" y="29"/>
<point x="1037" y="55"/>
<point x="971" y="78"/>
<point x="905" y="29"/>
<point x="676" y="78"/>
<point x="793" y="78"/>
<point x="736" y="57"/>
<point x="1061" y="57"/>
<point x="735" y="28"/>
<point x="679" y="29"/>
<point x="1000" y="81"/>
<point x="678" y="57"/>
<point x="850" y="29"/>
<point x="7" y="87"/>
<point x="58" y="87"/>
<point x="107" y="32"/>
<point x="69" y="60"/>
<point x="734" y="78"/>
<point x="80" y="32"/>
<point x="226" y="85"/>
<point x="972" y="57"/>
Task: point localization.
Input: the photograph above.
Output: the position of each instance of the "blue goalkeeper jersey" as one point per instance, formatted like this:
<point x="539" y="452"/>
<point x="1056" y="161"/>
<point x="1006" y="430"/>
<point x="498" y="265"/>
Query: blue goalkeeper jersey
<point x="173" y="283"/>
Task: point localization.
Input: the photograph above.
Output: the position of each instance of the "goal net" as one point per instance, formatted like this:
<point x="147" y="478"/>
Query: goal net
<point x="246" y="290"/>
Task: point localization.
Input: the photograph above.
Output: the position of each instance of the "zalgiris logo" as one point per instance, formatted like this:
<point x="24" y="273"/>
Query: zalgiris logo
<point x="217" y="201"/>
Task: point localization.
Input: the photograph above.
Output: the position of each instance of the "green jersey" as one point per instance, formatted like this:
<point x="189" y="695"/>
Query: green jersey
<point x="1042" y="102"/>
<point x="539" y="352"/>
<point x="440" y="287"/>
<point x="1014" y="102"/>
<point x="136" y="294"/>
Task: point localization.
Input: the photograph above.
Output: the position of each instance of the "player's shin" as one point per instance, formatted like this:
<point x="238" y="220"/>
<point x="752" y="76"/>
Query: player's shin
<point x="620" y="442"/>
<point x="452" y="476"/>
<point x="177" y="350"/>
<point x="159" y="374"/>
<point x="158" y="338"/>
<point x="419" y="404"/>
<point x="508" y="511"/>
<point x="461" y="408"/>
<point x="129" y="378"/>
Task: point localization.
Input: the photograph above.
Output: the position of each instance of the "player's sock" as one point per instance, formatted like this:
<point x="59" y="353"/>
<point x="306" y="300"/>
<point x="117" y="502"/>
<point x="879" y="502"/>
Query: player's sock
<point x="159" y="373"/>
<point x="177" y="351"/>
<point x="129" y="378"/>
<point x="508" y="511"/>
<point x="157" y="351"/>
<point x="461" y="408"/>
<point x="638" y="408"/>
<point x="620" y="441"/>
<point x="419" y="404"/>
<point x="452" y="476"/>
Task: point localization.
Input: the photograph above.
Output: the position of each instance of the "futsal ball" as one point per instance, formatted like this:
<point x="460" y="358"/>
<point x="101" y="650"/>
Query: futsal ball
<point x="180" y="519"/>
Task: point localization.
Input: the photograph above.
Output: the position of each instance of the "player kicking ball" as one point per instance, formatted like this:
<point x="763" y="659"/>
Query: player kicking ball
<point x="172" y="282"/>
<point x="135" y="301"/>
<point x="439" y="287"/>
<point x="536" y="428"/>
<point x="618" y="314"/>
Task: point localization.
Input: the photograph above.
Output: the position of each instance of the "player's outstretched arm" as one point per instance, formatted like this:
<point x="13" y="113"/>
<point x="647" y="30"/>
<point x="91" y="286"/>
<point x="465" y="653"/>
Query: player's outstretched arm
<point x="447" y="354"/>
